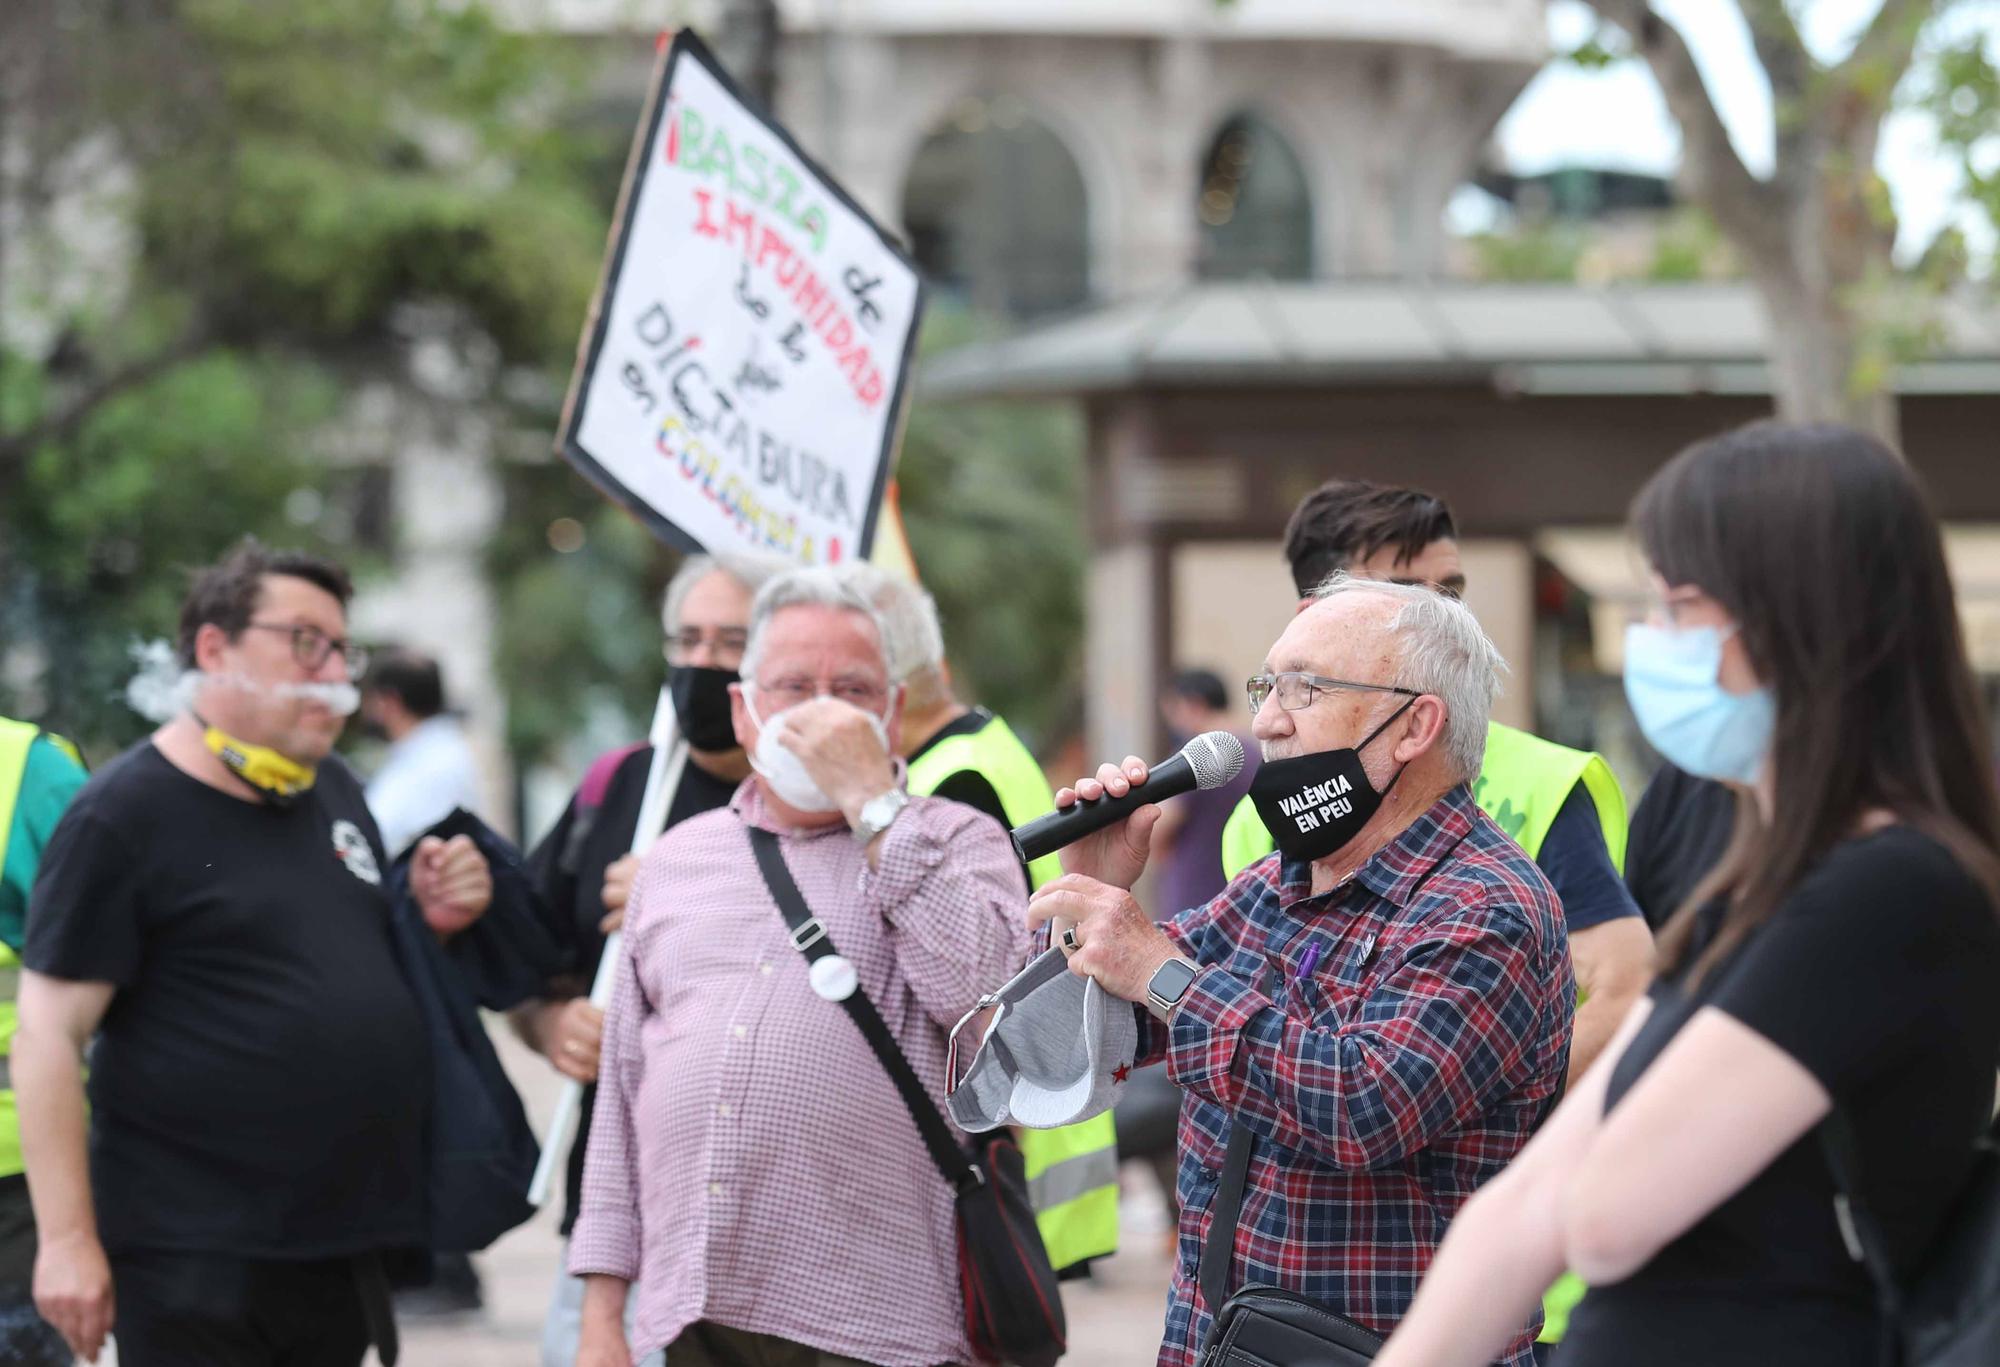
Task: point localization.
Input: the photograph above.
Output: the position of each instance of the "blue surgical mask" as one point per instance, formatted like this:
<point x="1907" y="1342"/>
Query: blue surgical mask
<point x="1685" y="712"/>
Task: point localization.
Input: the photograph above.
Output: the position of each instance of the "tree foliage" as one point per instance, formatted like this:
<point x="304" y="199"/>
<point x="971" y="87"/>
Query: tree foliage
<point x="282" y="180"/>
<point x="993" y="500"/>
<point x="1816" y="234"/>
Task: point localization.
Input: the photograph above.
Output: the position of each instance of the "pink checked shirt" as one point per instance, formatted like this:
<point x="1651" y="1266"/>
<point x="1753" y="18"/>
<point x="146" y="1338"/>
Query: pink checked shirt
<point x="750" y="1164"/>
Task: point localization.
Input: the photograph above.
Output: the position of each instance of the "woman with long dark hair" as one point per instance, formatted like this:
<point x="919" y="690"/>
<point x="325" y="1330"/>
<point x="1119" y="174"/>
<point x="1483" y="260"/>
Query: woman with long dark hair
<point x="1844" y="955"/>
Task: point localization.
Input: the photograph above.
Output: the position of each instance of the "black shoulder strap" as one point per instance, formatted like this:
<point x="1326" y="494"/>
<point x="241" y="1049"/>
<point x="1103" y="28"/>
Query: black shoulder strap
<point x="1213" y="1276"/>
<point x="1858" y="1229"/>
<point x="810" y="939"/>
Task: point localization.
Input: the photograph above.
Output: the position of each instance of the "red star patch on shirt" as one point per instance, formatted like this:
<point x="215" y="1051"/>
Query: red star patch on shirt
<point x="1121" y="1072"/>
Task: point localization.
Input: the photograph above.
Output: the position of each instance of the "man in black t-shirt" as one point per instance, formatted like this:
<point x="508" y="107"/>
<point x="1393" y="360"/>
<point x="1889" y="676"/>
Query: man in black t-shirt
<point x="583" y="867"/>
<point x="212" y="909"/>
<point x="1680" y="831"/>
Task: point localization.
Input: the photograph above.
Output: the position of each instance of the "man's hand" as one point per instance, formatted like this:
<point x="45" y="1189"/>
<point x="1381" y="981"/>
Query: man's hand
<point x="572" y="1033"/>
<point x="73" y="1291"/>
<point x="597" y="1347"/>
<point x="1118" y="944"/>
<point x="618" y="881"/>
<point x="601" y="1342"/>
<point x="1116" y="854"/>
<point x="841" y="751"/>
<point x="451" y="882"/>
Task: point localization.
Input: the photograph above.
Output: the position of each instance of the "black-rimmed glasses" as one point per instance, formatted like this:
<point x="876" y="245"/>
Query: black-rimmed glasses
<point x="311" y="647"/>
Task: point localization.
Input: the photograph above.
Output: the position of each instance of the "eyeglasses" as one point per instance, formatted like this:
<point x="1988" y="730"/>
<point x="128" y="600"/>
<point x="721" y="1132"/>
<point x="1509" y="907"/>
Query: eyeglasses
<point x="794" y="689"/>
<point x="311" y="646"/>
<point x="1297" y="691"/>
<point x="721" y="641"/>
<point x="1666" y="608"/>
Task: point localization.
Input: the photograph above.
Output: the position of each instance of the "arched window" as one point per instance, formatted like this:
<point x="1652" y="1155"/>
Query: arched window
<point x="1255" y="208"/>
<point x="996" y="211"/>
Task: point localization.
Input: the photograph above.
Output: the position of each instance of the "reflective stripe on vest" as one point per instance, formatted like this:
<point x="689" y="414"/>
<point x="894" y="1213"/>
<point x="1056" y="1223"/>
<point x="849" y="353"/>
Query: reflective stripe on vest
<point x="1073" y="1171"/>
<point x="1073" y="1186"/>
<point x="1522" y="785"/>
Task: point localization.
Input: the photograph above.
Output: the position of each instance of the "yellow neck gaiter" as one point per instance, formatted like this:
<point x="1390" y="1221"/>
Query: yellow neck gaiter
<point x="277" y="778"/>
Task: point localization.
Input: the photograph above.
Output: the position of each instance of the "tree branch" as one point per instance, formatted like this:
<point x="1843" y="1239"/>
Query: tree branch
<point x="1884" y="53"/>
<point x="15" y="447"/>
<point x="1781" y="48"/>
<point x="1746" y="207"/>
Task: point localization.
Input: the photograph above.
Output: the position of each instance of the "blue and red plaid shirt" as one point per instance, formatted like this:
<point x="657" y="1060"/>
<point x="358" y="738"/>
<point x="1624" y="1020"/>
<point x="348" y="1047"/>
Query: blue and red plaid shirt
<point x="1392" y="1044"/>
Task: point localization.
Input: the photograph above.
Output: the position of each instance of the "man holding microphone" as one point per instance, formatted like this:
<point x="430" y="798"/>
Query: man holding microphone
<point x="1368" y="1026"/>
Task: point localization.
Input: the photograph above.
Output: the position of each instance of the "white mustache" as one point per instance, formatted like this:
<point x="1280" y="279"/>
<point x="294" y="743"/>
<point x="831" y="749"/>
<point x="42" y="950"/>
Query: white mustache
<point x="160" y="689"/>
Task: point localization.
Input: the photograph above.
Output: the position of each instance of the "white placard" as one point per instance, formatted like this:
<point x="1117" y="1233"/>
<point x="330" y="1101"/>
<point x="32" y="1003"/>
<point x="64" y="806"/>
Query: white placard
<point x="741" y="378"/>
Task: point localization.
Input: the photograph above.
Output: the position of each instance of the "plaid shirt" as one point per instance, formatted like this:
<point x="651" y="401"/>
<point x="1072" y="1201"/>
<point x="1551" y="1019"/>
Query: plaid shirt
<point x="1391" y="1043"/>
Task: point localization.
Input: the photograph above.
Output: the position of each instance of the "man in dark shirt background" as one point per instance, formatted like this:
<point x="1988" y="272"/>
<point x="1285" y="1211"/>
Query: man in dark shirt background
<point x="1680" y="831"/>
<point x="1188" y="838"/>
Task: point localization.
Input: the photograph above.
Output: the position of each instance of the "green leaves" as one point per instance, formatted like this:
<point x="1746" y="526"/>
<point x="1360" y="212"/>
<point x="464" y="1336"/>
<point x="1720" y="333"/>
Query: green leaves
<point x="298" y="171"/>
<point x="992" y="498"/>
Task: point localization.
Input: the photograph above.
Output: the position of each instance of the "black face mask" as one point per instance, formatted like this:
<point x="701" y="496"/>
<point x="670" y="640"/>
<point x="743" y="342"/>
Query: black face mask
<point x="701" y="704"/>
<point x="1313" y="805"/>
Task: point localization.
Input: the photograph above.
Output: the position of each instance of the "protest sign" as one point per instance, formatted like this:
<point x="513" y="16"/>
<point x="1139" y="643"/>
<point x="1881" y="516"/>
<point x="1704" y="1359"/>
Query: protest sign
<point x="740" y="381"/>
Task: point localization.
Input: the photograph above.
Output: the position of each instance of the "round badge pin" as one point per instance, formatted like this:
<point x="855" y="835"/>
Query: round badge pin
<point x="833" y="978"/>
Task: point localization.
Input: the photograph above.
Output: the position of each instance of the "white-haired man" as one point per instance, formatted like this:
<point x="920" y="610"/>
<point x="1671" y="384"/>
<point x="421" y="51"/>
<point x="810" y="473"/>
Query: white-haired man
<point x="583" y="868"/>
<point x="1369" y="1026"/>
<point x="751" y="1167"/>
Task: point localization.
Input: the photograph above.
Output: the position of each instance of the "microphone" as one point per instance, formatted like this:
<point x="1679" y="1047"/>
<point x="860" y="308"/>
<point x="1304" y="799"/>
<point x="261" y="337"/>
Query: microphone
<point x="1208" y="761"/>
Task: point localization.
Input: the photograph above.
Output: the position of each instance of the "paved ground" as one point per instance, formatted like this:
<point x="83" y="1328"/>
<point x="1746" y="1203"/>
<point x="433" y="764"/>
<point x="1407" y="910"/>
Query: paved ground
<point x="1114" y="1321"/>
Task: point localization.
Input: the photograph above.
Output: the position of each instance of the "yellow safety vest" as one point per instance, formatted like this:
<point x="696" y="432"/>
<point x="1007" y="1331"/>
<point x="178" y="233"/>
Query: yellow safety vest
<point x="1522" y="784"/>
<point x="16" y="738"/>
<point x="1072" y="1171"/>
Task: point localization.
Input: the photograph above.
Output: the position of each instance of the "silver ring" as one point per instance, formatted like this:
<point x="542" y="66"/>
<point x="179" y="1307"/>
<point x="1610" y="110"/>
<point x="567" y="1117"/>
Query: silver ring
<point x="1069" y="939"/>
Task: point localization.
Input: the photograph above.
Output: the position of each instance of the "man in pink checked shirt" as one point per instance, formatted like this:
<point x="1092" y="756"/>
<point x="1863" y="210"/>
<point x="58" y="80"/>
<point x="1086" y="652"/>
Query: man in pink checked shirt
<point x="751" y="1168"/>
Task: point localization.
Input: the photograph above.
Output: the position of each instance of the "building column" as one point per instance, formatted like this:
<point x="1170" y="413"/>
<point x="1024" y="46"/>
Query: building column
<point x="1500" y="590"/>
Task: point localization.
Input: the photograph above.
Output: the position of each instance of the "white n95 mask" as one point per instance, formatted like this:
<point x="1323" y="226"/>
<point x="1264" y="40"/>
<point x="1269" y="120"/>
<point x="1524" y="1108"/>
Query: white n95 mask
<point x="783" y="769"/>
<point x="1058" y="1052"/>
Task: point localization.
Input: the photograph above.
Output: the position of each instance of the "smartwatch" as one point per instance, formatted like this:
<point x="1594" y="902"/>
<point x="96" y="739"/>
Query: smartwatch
<point x="877" y="813"/>
<point x="1169" y="984"/>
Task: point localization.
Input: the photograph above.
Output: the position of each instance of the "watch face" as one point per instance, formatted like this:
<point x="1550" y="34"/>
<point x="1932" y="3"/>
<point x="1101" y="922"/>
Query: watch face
<point x="878" y="812"/>
<point x="1172" y="979"/>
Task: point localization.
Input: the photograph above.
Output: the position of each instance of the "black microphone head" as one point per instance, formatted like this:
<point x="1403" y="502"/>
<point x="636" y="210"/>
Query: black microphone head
<point x="1215" y="756"/>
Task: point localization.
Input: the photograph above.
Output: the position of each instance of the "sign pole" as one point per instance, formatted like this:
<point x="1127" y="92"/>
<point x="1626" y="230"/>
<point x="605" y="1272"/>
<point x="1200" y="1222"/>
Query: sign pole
<point x="663" y="781"/>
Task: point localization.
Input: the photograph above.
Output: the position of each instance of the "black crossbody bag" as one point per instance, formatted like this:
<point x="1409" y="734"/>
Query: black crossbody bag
<point x="1013" y="1309"/>
<point x="1948" y="1313"/>
<point x="1261" y="1326"/>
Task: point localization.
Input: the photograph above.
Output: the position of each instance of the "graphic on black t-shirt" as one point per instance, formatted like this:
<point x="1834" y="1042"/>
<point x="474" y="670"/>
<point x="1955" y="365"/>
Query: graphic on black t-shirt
<point x="351" y="847"/>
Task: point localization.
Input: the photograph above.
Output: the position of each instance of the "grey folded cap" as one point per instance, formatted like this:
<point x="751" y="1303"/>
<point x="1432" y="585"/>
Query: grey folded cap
<point x="1058" y="1052"/>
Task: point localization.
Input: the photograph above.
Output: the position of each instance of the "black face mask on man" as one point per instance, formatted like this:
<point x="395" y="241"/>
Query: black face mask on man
<point x="701" y="705"/>
<point x="1314" y="805"/>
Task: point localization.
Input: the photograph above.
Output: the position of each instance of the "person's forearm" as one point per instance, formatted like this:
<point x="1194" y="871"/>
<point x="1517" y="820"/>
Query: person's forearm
<point x="531" y="1022"/>
<point x="1501" y="1253"/>
<point x="48" y="1083"/>
<point x="604" y="1299"/>
<point x="1597" y="1020"/>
